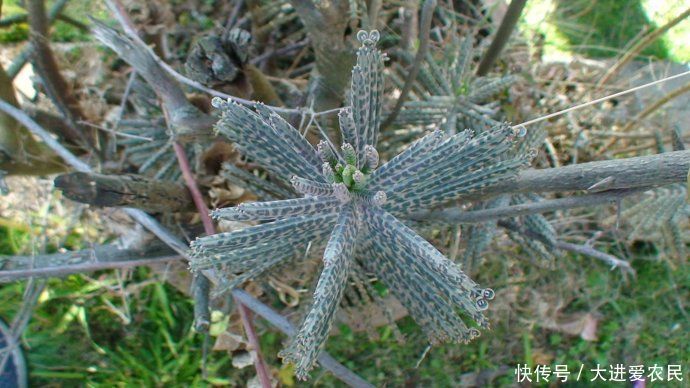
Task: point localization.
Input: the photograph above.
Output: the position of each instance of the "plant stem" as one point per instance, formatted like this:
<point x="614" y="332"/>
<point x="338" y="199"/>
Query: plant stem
<point x="88" y="260"/>
<point x="278" y="321"/>
<point x="253" y="339"/>
<point x="427" y="16"/>
<point x="457" y="215"/>
<point x="580" y="249"/>
<point x="629" y="173"/>
<point x="56" y="87"/>
<point x="502" y="36"/>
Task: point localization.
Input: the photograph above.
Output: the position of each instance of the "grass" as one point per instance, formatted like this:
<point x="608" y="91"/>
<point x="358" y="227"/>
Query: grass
<point x="146" y="340"/>
<point x="60" y="32"/>
<point x="604" y="28"/>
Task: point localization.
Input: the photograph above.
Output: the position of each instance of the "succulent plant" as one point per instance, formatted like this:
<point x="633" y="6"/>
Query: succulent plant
<point x="479" y="236"/>
<point x="355" y="207"/>
<point x="447" y="92"/>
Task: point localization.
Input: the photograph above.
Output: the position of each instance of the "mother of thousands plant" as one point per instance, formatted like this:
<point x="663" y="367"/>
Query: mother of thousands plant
<point x="354" y="207"/>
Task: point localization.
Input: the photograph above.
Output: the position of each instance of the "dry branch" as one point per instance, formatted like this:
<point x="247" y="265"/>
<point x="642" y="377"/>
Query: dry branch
<point x="55" y="85"/>
<point x="502" y="36"/>
<point x="586" y="250"/>
<point x="277" y="320"/>
<point x="125" y="190"/>
<point x="326" y="24"/>
<point x="186" y="120"/>
<point x="458" y="215"/>
<point x="21" y="58"/>
<point x="639" y="46"/>
<point x="427" y="16"/>
<point x="14" y="268"/>
<point x="630" y="173"/>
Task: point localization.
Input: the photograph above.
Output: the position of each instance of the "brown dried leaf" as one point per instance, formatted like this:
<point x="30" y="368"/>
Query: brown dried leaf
<point x="229" y="342"/>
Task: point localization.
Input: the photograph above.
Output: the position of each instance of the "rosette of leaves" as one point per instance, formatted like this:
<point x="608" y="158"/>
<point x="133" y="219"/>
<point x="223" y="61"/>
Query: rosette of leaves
<point x="447" y="91"/>
<point x="662" y="215"/>
<point x="151" y="152"/>
<point x="146" y="143"/>
<point x="541" y="251"/>
<point x="355" y="208"/>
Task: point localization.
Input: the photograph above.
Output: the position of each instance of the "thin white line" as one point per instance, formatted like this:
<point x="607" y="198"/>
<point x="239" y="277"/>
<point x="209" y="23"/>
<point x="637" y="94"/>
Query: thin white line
<point x="601" y="99"/>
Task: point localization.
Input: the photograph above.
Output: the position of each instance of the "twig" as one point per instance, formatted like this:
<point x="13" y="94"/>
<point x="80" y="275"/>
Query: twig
<point x="281" y="51"/>
<point x="458" y="215"/>
<point x="186" y="120"/>
<point x="326" y="24"/>
<point x="502" y="36"/>
<point x="125" y="96"/>
<point x="45" y="136"/>
<point x="114" y="132"/>
<point x="13" y="350"/>
<point x="587" y="250"/>
<point x="253" y="339"/>
<point x="87" y="260"/>
<point x="21" y="319"/>
<point x="645" y="113"/>
<point x="581" y="249"/>
<point x="74" y="22"/>
<point x="20" y="60"/>
<point x="427" y="16"/>
<point x="232" y="18"/>
<point x="629" y="173"/>
<point x="55" y="85"/>
<point x="640" y="45"/>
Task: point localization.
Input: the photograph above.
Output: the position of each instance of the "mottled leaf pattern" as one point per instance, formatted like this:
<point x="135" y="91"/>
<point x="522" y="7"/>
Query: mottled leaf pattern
<point x="278" y="209"/>
<point x="305" y="347"/>
<point x="662" y="215"/>
<point x="350" y="204"/>
<point x="447" y="93"/>
<point x="257" y="137"/>
<point x="366" y="94"/>
<point x="263" y="188"/>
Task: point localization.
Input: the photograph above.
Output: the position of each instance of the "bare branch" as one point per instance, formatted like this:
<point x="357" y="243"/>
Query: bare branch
<point x="186" y="120"/>
<point x="580" y="249"/>
<point x="427" y="16"/>
<point x="639" y="46"/>
<point x="630" y="173"/>
<point x="125" y="190"/>
<point x="458" y="215"/>
<point x="55" y="85"/>
<point x="502" y="36"/>
<point x="587" y="250"/>
<point x="21" y="58"/>
<point x="88" y="260"/>
<point x="326" y="24"/>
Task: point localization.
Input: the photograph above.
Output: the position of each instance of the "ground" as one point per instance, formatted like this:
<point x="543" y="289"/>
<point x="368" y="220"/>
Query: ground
<point x="130" y="327"/>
